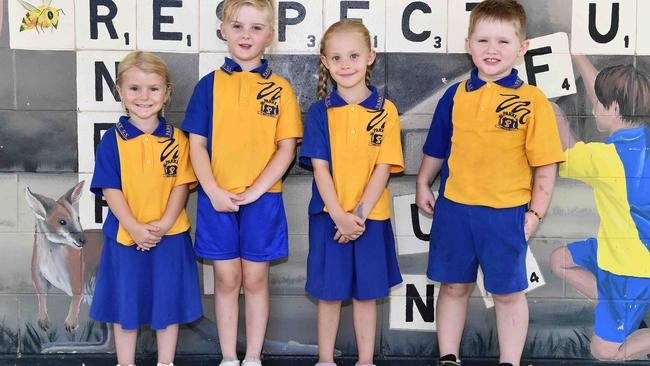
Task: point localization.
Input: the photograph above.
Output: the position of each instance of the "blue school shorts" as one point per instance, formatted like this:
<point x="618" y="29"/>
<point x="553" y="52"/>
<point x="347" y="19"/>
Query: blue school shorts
<point x="158" y="287"/>
<point x="622" y="300"/>
<point x="363" y="269"/>
<point x="464" y="237"/>
<point x="257" y="232"/>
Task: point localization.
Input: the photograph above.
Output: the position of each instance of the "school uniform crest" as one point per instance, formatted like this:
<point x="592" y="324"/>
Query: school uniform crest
<point x="512" y="112"/>
<point x="376" y="127"/>
<point x="169" y="157"/>
<point x="269" y="98"/>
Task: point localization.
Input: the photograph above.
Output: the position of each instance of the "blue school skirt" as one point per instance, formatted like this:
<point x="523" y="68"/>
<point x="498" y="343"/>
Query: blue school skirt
<point x="157" y="288"/>
<point x="363" y="269"/>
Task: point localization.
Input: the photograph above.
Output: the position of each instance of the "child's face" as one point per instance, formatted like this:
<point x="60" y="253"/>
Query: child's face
<point x="143" y="94"/>
<point x="495" y="47"/>
<point x="347" y="58"/>
<point x="248" y="34"/>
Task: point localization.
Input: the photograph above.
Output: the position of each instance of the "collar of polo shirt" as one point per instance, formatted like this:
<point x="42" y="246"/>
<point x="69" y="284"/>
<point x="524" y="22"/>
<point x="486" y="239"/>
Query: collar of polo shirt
<point x="230" y="66"/>
<point x="511" y="81"/>
<point x="374" y="101"/>
<point x="127" y="130"/>
<point x="626" y="134"/>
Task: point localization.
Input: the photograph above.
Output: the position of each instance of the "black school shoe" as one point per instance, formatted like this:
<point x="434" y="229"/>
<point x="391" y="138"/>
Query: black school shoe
<point x="448" y="360"/>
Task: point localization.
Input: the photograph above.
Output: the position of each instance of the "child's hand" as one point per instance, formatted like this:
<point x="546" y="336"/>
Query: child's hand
<point x="424" y="198"/>
<point x="144" y="235"/>
<point x="531" y="222"/>
<point x="348" y="227"/>
<point x="224" y="201"/>
<point x="163" y="227"/>
<point x="250" y="195"/>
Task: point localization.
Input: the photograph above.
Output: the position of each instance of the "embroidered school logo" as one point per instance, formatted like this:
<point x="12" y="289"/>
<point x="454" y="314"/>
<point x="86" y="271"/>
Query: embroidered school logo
<point x="169" y="157"/>
<point x="512" y="112"/>
<point x="376" y="127"/>
<point x="269" y="98"/>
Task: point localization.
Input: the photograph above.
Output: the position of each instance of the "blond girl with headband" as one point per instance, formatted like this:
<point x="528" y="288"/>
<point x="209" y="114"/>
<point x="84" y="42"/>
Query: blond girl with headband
<point x="352" y="143"/>
<point x="147" y="273"/>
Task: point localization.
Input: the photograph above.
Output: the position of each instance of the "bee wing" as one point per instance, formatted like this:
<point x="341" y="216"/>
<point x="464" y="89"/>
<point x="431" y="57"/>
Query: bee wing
<point x="47" y="2"/>
<point x="27" y="6"/>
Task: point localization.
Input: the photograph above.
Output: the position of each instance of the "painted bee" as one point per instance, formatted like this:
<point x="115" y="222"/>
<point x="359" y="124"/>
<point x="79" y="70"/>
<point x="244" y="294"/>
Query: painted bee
<point x="44" y="16"/>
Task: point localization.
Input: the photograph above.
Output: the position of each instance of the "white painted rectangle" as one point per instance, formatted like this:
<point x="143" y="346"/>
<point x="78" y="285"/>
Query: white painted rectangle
<point x="117" y="31"/>
<point x="53" y="28"/>
<point x="371" y="12"/>
<point x="407" y="241"/>
<point x="620" y="40"/>
<point x="416" y="26"/>
<point x="559" y="80"/>
<point x="299" y="27"/>
<point x="458" y="22"/>
<point x="210" y="61"/>
<point x="90" y="128"/>
<point x="399" y="303"/>
<point x="211" y="39"/>
<point x="96" y="74"/>
<point x="170" y="28"/>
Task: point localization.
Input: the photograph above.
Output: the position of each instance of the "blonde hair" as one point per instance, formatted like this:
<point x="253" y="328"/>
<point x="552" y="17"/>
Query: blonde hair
<point x="500" y="10"/>
<point x="345" y="25"/>
<point x="231" y="8"/>
<point x="147" y="63"/>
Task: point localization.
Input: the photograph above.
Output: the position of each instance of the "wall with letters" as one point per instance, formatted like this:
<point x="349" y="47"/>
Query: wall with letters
<point x="57" y="99"/>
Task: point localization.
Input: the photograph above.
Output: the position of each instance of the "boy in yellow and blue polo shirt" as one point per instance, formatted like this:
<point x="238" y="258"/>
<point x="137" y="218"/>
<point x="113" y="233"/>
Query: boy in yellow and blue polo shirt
<point x="615" y="265"/>
<point x="487" y="135"/>
<point x="243" y="115"/>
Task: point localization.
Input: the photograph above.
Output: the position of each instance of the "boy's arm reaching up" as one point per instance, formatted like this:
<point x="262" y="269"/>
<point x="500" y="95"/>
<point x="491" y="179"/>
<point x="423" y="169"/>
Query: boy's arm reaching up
<point x="543" y="183"/>
<point x="567" y="137"/>
<point x="588" y="73"/>
<point x="429" y="169"/>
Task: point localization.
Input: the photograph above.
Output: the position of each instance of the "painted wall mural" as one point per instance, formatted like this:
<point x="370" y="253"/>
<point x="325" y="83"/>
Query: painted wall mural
<point x="57" y="99"/>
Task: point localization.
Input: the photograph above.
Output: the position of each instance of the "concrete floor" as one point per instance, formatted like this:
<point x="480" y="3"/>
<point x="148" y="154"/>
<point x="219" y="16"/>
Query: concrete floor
<point x="209" y="360"/>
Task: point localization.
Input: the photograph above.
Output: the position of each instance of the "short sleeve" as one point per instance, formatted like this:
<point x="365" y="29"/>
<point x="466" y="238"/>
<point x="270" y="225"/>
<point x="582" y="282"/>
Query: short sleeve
<point x="582" y="161"/>
<point x="185" y="172"/>
<point x="107" y="164"/>
<point x="391" y="146"/>
<point x="289" y="121"/>
<point x="439" y="137"/>
<point x="198" y="114"/>
<point x="315" y="142"/>
<point x="543" y="145"/>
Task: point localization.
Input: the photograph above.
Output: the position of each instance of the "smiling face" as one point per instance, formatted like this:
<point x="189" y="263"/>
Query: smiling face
<point x="495" y="46"/>
<point x="247" y="34"/>
<point x="143" y="94"/>
<point x="347" y="56"/>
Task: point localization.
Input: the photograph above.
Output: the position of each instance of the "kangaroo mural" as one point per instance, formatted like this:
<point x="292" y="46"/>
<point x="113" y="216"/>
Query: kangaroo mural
<point x="65" y="257"/>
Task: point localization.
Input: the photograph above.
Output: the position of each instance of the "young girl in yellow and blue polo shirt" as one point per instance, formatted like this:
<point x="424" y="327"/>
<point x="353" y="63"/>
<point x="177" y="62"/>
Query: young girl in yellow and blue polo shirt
<point x="147" y="273"/>
<point x="352" y="142"/>
<point x="244" y="122"/>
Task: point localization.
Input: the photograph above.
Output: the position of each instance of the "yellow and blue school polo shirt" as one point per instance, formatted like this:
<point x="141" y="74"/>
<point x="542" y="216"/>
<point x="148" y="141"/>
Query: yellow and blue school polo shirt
<point x="243" y="115"/>
<point x="145" y="167"/>
<point x="619" y="172"/>
<point x="353" y="138"/>
<point x="490" y="134"/>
